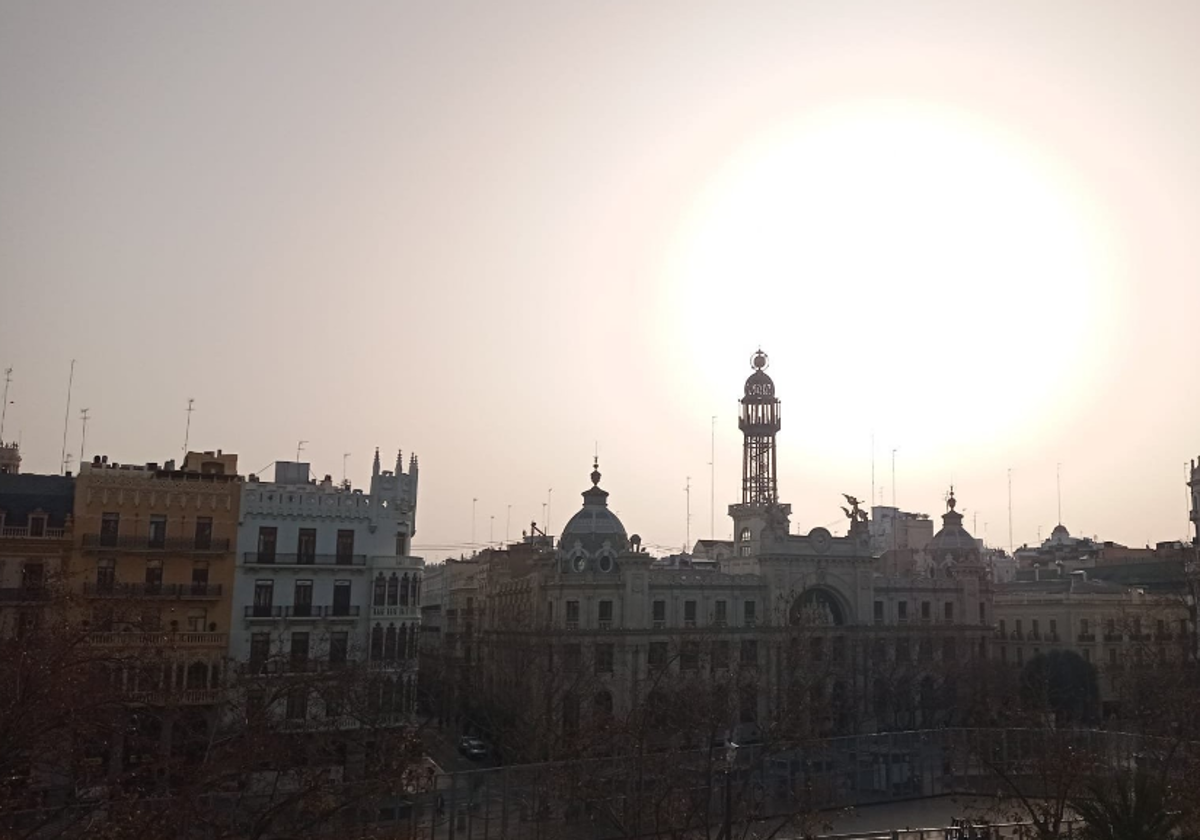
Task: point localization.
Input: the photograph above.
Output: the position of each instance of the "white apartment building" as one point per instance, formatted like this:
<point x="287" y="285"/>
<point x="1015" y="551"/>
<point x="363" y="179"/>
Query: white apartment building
<point x="325" y="580"/>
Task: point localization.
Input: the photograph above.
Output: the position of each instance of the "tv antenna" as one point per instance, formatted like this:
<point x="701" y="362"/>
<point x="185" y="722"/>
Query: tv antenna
<point x="83" y="414"/>
<point x="67" y="419"/>
<point x="4" y="410"/>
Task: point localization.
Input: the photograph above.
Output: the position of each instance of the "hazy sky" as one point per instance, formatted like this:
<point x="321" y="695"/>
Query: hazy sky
<point x="498" y="233"/>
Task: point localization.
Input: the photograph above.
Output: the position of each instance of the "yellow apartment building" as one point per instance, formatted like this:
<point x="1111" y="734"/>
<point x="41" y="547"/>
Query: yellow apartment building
<point x="154" y="549"/>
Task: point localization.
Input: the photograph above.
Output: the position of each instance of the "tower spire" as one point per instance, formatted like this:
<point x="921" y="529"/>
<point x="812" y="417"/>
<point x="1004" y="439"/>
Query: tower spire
<point x="375" y="464"/>
<point x="759" y="422"/>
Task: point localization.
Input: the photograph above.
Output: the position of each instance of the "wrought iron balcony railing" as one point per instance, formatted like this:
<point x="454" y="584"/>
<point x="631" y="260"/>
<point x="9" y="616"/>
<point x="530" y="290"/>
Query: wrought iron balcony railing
<point x="266" y="558"/>
<point x="152" y="590"/>
<point x="24" y="593"/>
<point x="145" y="542"/>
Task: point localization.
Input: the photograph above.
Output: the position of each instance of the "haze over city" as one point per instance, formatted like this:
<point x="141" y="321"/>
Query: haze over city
<point x="504" y="236"/>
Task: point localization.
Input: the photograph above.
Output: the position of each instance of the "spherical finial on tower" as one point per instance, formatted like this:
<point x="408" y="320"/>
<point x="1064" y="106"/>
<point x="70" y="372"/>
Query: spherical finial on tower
<point x="596" y="472"/>
<point x="760" y="360"/>
<point x="950" y="500"/>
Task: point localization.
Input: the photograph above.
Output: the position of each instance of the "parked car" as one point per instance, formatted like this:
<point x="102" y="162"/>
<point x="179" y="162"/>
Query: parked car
<point x="472" y="748"/>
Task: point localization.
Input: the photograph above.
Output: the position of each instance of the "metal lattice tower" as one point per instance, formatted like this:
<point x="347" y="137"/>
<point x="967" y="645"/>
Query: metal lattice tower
<point x="759" y="422"/>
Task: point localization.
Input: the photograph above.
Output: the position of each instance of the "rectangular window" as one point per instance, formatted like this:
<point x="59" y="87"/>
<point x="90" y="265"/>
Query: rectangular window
<point x="902" y="611"/>
<point x="749" y="655"/>
<point x="902" y="651"/>
<point x="1053" y="629"/>
<point x="1083" y="627"/>
<point x="1020" y="656"/>
<point x="948" y="611"/>
<point x="297" y="703"/>
<point x="299" y="652"/>
<point x="37" y="526"/>
<point x="606" y="614"/>
<point x="302" y="603"/>
<point x="572" y="615"/>
<point x="345" y="547"/>
<point x="306" y="546"/>
<point x="267" y="537"/>
<point x="949" y="650"/>
<point x="749" y="618"/>
<point x="400" y="543"/>
<point x="550" y="613"/>
<point x="264" y="598"/>
<point x="926" y="611"/>
<point x="925" y="650"/>
<point x="879" y="612"/>
<point x="604" y="659"/>
<point x="260" y="651"/>
<point x="196" y="620"/>
<point x="1087" y="654"/>
<point x="200" y="577"/>
<point x="158" y="531"/>
<point x="747" y="704"/>
<point x="154" y="576"/>
<point x="33" y="575"/>
<point x="1004" y="654"/>
<point x="982" y="613"/>
<point x="659" y="613"/>
<point x="572" y="657"/>
<point x="110" y="527"/>
<point x="657" y="657"/>
<point x="1003" y="631"/>
<point x="1036" y="629"/>
<point x="689" y="613"/>
<point x="339" y="646"/>
<point x="720" y="655"/>
<point x="341" y="597"/>
<point x="204" y="533"/>
<point x="1112" y="657"/>
<point x="719" y="616"/>
<point x="1019" y="631"/>
<point x="689" y="656"/>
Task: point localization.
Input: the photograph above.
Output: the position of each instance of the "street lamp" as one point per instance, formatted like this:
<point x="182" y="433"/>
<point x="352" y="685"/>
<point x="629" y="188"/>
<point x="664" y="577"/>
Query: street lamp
<point x="730" y="755"/>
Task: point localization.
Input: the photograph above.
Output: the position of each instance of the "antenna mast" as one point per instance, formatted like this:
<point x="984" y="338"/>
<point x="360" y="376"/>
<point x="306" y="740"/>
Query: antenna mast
<point x="712" y="483"/>
<point x="62" y="466"/>
<point x="1010" y="539"/>
<point x="345" y="455"/>
<point x="687" y="489"/>
<point x="4" y="411"/>
<point x="187" y="429"/>
<point x="83" y="438"/>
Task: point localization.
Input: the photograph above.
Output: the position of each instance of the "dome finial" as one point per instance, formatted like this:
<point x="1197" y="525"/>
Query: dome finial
<point x="950" y="500"/>
<point x="759" y="360"/>
<point x="596" y="471"/>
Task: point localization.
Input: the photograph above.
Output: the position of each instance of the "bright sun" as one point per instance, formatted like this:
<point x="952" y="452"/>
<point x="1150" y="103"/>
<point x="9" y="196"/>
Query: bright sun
<point x="916" y="247"/>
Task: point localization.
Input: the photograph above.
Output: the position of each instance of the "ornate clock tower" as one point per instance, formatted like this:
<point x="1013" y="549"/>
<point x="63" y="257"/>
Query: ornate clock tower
<point x="760" y="517"/>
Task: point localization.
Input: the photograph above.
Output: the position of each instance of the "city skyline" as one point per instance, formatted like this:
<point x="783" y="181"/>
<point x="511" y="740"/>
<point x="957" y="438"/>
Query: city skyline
<point x="961" y="233"/>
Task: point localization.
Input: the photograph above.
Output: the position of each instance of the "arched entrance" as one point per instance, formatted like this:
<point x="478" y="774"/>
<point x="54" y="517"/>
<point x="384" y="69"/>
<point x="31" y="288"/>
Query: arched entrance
<point x="817" y="606"/>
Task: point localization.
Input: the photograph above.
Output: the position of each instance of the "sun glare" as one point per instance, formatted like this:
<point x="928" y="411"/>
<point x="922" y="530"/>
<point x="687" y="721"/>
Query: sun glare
<point x="909" y="250"/>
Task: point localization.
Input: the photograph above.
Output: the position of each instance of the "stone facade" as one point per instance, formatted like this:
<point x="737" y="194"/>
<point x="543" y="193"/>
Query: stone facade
<point x="325" y="579"/>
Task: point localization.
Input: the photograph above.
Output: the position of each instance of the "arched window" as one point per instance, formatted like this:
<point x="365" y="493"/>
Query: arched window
<point x="389" y="644"/>
<point x="377" y="642"/>
<point x="380" y="590"/>
<point x="416" y="591"/>
<point x="404" y="591"/>
<point x="402" y="647"/>
<point x="745" y="535"/>
<point x="393" y="590"/>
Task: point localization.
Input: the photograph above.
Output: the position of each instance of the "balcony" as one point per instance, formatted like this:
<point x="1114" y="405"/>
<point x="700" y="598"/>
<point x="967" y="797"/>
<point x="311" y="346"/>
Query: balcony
<point x="1164" y="636"/>
<point x="302" y="611"/>
<point x="395" y="611"/>
<point x="259" y="611"/>
<point x="285" y="665"/>
<point x="1087" y="637"/>
<point x="188" y="697"/>
<point x="1112" y="637"/>
<point x="153" y="590"/>
<point x="19" y="594"/>
<point x="604" y="623"/>
<point x="1017" y="636"/>
<point x="263" y="558"/>
<point x="26" y="533"/>
<point x="119" y="542"/>
<point x="185" y="641"/>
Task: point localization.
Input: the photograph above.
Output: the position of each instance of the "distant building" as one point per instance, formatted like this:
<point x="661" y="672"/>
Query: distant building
<point x="1118" y="629"/>
<point x="10" y="458"/>
<point x="325" y="578"/>
<point x="35" y="546"/>
<point x="893" y="529"/>
<point x="784" y="622"/>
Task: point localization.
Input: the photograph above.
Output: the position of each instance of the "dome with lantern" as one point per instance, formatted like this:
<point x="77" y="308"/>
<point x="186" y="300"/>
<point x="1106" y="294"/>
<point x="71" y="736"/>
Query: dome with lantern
<point x="953" y="541"/>
<point x="594" y="536"/>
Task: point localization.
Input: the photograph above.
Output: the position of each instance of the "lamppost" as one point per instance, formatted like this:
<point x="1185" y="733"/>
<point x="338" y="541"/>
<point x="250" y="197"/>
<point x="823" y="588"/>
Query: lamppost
<point x="730" y="755"/>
